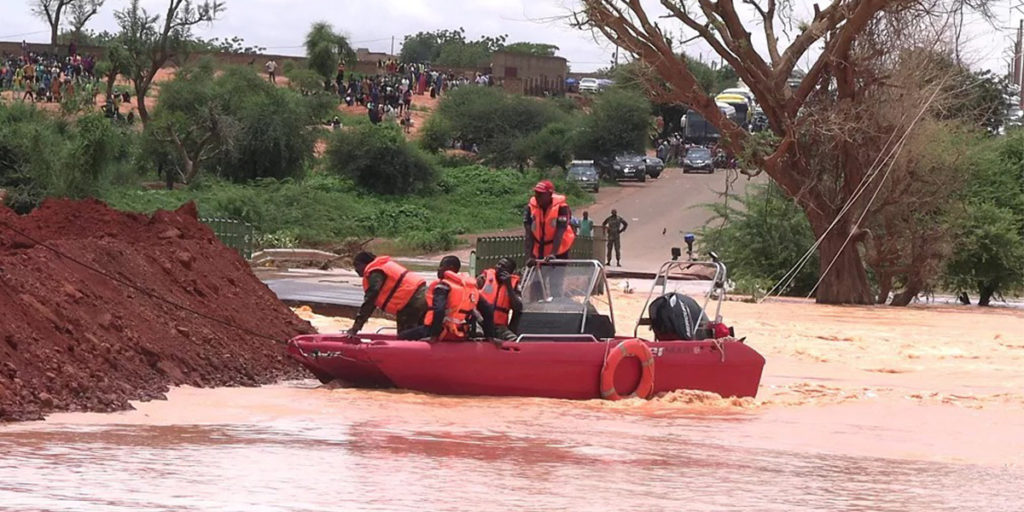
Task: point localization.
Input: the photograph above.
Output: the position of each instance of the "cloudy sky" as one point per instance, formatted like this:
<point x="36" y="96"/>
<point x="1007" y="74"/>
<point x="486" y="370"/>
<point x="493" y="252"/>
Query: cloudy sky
<point x="279" y="25"/>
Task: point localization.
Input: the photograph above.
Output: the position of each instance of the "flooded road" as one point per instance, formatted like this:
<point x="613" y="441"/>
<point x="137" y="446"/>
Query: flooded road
<point x="298" y="446"/>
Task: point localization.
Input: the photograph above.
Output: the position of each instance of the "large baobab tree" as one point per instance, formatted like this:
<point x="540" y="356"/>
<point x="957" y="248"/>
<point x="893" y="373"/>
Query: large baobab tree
<point x="820" y="165"/>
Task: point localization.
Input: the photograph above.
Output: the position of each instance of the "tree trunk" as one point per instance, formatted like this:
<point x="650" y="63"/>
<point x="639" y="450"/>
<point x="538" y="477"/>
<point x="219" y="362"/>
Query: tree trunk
<point x="985" y="293"/>
<point x="53" y="36"/>
<point x="907" y="295"/>
<point x="847" y="281"/>
<point x="111" y="80"/>
<point x="884" y="287"/>
<point x="964" y="299"/>
<point x="140" y="101"/>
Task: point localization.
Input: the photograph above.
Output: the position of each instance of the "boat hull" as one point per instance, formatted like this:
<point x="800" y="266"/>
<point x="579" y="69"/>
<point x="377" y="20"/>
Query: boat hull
<point x="552" y="369"/>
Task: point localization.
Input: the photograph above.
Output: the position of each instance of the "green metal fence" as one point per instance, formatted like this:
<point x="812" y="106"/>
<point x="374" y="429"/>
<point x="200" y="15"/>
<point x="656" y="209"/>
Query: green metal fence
<point x="235" y="234"/>
<point x="492" y="248"/>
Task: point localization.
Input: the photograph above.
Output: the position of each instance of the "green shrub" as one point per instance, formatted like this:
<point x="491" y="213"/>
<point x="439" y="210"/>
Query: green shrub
<point x="305" y="80"/>
<point x="235" y="124"/>
<point x="44" y="156"/>
<point x="552" y="146"/>
<point x="760" y="238"/>
<point x="324" y="208"/>
<point x="428" y="241"/>
<point x="496" y="122"/>
<point x="988" y="256"/>
<point x="378" y="159"/>
<point x="618" y="122"/>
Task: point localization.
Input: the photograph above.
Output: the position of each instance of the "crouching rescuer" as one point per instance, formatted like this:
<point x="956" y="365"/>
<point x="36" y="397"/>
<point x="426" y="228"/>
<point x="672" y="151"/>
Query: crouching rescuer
<point x="499" y="287"/>
<point x="391" y="288"/>
<point x="454" y="307"/>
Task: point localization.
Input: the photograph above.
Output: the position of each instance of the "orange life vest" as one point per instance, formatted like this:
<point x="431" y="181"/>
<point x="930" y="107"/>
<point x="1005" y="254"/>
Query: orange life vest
<point x="545" y="224"/>
<point x="462" y="298"/>
<point x="399" y="284"/>
<point x="498" y="295"/>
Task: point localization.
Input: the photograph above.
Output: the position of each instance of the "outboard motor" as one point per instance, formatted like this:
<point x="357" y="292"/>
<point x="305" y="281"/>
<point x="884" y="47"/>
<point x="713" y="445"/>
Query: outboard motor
<point x="675" y="316"/>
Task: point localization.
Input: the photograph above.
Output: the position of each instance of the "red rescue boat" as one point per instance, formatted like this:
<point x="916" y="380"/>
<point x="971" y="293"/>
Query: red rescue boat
<point x="568" y="348"/>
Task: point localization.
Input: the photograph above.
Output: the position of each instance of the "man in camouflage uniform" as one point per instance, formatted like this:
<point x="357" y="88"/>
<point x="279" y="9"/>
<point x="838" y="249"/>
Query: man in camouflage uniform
<point x="614" y="227"/>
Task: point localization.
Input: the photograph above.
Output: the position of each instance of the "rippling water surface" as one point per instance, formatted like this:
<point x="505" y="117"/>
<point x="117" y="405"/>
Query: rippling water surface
<point x="299" y="447"/>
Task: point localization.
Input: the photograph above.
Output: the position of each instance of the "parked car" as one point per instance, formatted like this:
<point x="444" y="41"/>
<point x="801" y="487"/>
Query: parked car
<point x="628" y="167"/>
<point x="584" y="174"/>
<point x="589" y="85"/>
<point x="654" y="166"/>
<point x="698" y="159"/>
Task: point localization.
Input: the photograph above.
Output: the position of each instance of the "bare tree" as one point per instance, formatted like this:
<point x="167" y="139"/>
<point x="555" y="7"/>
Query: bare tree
<point x="81" y="12"/>
<point x="149" y="44"/>
<point x="821" y="165"/>
<point x="51" y="11"/>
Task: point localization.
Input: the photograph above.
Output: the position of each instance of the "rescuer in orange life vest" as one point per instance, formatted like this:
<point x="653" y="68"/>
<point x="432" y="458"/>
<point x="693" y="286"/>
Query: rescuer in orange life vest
<point x="499" y="287"/>
<point x="546" y="221"/>
<point x="392" y="288"/>
<point x="453" y="307"/>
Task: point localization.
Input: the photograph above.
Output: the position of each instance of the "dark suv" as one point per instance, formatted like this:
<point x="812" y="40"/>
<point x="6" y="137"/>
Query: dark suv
<point x="624" y="167"/>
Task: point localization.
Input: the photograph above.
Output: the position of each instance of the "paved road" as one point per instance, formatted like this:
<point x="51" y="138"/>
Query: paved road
<point x="672" y="203"/>
<point x="661" y="211"/>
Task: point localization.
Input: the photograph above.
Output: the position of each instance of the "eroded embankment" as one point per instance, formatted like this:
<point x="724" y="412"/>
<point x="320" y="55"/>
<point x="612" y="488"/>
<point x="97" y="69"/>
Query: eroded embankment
<point x="73" y="339"/>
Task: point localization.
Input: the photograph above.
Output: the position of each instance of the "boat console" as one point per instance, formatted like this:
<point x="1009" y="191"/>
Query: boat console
<point x="566" y="297"/>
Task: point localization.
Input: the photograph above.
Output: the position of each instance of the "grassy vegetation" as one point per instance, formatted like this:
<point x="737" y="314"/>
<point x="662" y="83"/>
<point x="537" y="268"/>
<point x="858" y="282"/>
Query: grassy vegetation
<point x="321" y="210"/>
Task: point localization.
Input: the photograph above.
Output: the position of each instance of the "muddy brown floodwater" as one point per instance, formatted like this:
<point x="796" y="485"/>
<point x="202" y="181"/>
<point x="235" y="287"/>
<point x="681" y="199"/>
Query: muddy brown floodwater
<point x="860" y="409"/>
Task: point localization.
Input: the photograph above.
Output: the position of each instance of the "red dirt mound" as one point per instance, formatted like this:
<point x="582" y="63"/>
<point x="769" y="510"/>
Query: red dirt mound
<point x="72" y="339"/>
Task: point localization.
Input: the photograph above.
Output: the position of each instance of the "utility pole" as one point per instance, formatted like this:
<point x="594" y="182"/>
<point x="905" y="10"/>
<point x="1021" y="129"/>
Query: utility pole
<point x="392" y="45"/>
<point x="1018" y="64"/>
<point x="616" y="56"/>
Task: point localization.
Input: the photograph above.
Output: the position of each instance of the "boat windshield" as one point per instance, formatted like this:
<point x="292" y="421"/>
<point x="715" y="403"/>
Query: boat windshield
<point x="561" y="283"/>
<point x="566" y="297"/>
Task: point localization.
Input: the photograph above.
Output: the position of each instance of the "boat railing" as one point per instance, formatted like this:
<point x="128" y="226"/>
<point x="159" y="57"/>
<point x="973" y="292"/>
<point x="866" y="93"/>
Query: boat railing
<point x="556" y="337"/>
<point x="717" y="290"/>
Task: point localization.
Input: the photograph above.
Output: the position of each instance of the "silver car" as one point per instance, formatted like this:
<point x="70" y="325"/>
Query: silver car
<point x="584" y="174"/>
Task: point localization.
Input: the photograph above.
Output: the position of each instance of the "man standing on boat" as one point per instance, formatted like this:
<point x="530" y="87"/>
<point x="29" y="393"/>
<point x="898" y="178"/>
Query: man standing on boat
<point x="499" y="287"/>
<point x="453" y="306"/>
<point x="614" y="227"/>
<point x="392" y="288"/>
<point x="546" y="222"/>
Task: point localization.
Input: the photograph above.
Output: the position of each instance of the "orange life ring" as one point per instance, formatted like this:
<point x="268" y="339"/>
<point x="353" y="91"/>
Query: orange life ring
<point x="629" y="348"/>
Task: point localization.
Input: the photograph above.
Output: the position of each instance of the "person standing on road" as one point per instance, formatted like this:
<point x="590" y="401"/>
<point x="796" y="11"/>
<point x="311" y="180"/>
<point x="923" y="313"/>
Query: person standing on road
<point x="586" y="225"/>
<point x="271" y="67"/>
<point x="546" y="222"/>
<point x="391" y="288"/>
<point x="614" y="227"/>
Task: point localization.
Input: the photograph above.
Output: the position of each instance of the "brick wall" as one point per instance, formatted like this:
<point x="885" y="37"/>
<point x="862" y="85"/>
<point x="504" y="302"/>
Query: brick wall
<point x="529" y="74"/>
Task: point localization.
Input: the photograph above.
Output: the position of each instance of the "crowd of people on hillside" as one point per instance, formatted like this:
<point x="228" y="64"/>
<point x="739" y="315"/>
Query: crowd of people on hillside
<point x="388" y="94"/>
<point x="46" y="77"/>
